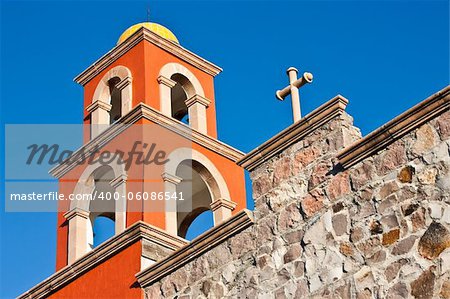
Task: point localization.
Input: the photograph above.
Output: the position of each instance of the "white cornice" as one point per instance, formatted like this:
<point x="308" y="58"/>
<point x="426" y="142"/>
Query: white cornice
<point x="222" y="202"/>
<point x="76" y="212"/>
<point x="167" y="177"/>
<point x="124" y="83"/>
<point x="137" y="231"/>
<point x="98" y="104"/>
<point x="147" y="35"/>
<point x="197" y="99"/>
<point x="121" y="179"/>
<point x="166" y="81"/>
<point x="144" y="111"/>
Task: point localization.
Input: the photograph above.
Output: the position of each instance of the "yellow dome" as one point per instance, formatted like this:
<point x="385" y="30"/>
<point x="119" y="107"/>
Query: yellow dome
<point x="156" y="28"/>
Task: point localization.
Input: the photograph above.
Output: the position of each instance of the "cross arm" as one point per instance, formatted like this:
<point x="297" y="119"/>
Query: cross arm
<point x="283" y="93"/>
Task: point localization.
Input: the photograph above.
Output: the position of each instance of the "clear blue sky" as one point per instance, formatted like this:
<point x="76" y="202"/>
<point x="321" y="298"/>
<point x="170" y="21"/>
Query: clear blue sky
<point x="384" y="56"/>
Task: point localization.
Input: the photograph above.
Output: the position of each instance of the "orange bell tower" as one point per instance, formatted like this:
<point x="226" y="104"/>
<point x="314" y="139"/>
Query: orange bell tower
<point x="151" y="160"/>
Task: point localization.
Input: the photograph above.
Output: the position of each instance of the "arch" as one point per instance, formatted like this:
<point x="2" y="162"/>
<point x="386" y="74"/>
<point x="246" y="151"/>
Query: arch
<point x="101" y="92"/>
<point x="85" y="184"/>
<point x="172" y="68"/>
<point x="198" y="193"/>
<point x="179" y="93"/>
<point x="203" y="182"/>
<point x="214" y="179"/>
<point x="115" y="100"/>
<point x="115" y="83"/>
<point x="102" y="178"/>
<point x="182" y="96"/>
<point x="81" y="215"/>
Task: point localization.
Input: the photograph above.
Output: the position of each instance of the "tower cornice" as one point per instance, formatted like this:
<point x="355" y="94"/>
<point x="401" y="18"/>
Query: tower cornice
<point x="143" y="111"/>
<point x="145" y="34"/>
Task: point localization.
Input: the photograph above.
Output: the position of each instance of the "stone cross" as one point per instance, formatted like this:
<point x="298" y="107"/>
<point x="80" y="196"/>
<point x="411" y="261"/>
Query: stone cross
<point x="292" y="89"/>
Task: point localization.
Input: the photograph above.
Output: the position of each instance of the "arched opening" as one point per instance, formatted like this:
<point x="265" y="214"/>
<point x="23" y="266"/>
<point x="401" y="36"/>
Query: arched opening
<point x="196" y="190"/>
<point x="102" y="206"/>
<point x="116" y="100"/>
<point x="200" y="224"/>
<point x="102" y="182"/>
<point x="103" y="229"/>
<point x="112" y="99"/>
<point x="179" y="94"/>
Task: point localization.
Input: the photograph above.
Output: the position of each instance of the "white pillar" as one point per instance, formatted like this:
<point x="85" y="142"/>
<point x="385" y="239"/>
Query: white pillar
<point x="170" y="185"/>
<point x="222" y="209"/>
<point x="99" y="117"/>
<point x="165" y="90"/>
<point x="126" y="91"/>
<point x="197" y="112"/>
<point x="119" y="184"/>
<point x="79" y="228"/>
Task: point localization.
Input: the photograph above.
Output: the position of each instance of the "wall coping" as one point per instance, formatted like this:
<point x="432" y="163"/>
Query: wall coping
<point x="292" y="134"/>
<point x="137" y="231"/>
<point x="140" y="35"/>
<point x="203" y="243"/>
<point x="144" y="111"/>
<point x="396" y="128"/>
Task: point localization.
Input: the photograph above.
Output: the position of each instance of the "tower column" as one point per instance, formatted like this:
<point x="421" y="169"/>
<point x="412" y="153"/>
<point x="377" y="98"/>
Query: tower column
<point x="222" y="209"/>
<point x="170" y="186"/>
<point x="79" y="224"/>
<point x="126" y="90"/>
<point x="119" y="184"/>
<point x="165" y="90"/>
<point x="99" y="117"/>
<point x="197" y="112"/>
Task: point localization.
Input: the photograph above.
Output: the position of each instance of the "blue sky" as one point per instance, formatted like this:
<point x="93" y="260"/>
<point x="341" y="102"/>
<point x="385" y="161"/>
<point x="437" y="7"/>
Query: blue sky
<point x="384" y="56"/>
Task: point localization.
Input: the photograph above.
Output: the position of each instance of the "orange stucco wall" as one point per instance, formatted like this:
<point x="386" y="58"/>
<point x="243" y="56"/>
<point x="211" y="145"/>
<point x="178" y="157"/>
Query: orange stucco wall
<point x="113" y="278"/>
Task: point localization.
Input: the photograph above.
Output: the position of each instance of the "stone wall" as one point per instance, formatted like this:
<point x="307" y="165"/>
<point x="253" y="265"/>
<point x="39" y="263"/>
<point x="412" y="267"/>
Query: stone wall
<point x="379" y="229"/>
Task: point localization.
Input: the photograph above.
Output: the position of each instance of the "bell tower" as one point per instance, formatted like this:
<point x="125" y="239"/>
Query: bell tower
<point x="147" y="99"/>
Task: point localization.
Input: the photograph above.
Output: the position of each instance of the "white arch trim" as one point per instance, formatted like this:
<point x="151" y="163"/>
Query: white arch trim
<point x="175" y="158"/>
<point x="172" y="68"/>
<point x="102" y="90"/>
<point x="101" y="101"/>
<point x="181" y="154"/>
<point x="81" y="236"/>
<point x="196" y="101"/>
<point x="85" y="185"/>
